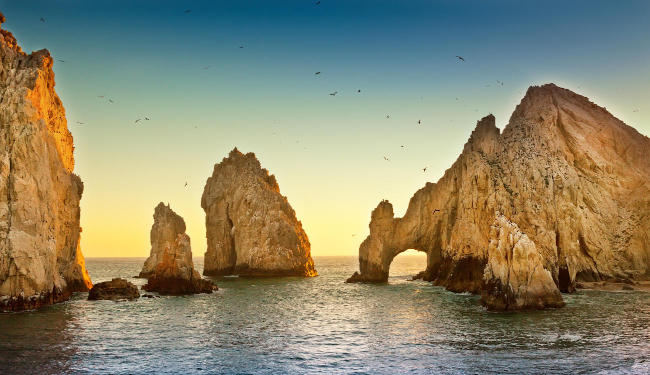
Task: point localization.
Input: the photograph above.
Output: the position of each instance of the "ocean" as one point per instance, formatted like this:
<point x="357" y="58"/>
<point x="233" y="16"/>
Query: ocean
<point x="323" y="326"/>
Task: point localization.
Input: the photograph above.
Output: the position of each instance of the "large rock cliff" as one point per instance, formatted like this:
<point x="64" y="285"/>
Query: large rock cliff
<point x="251" y="228"/>
<point x="40" y="258"/>
<point x="170" y="269"/>
<point x="573" y="178"/>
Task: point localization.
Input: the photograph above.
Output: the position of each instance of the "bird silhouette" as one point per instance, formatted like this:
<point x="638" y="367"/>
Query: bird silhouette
<point x="111" y="101"/>
<point x="334" y="93"/>
<point x="635" y="110"/>
<point x="460" y="58"/>
<point x="402" y="146"/>
<point x="80" y="123"/>
<point x="387" y="116"/>
<point x="387" y="159"/>
<point x="188" y="11"/>
<point x="60" y="60"/>
<point x="185" y="184"/>
<point x="317" y="73"/>
<point x="318" y="3"/>
<point x="419" y="122"/>
<point x="241" y="46"/>
<point x="42" y="19"/>
<point x="436" y="210"/>
<point x="207" y="67"/>
<point x="147" y="118"/>
<point x="424" y="169"/>
<point x="358" y="91"/>
<point x="138" y="120"/>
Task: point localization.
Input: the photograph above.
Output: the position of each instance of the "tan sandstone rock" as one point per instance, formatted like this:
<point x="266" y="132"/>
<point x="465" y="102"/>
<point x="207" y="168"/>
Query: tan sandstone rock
<point x="514" y="277"/>
<point x="40" y="259"/>
<point x="169" y="268"/>
<point x="571" y="176"/>
<point x="250" y="227"/>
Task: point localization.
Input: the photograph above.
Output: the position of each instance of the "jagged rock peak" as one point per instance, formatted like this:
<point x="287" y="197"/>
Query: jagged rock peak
<point x="564" y="171"/>
<point x="169" y="268"/>
<point x="251" y="228"/>
<point x="40" y="256"/>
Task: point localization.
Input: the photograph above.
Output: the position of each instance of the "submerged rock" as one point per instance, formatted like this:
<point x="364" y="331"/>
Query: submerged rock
<point x="40" y="258"/>
<point x="251" y="228"/>
<point x="169" y="268"/>
<point x="114" y="290"/>
<point x="514" y="277"/>
<point x="571" y="176"/>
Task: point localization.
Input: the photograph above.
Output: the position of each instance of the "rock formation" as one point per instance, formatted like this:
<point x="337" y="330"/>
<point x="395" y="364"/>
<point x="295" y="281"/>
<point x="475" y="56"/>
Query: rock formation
<point x="251" y="228"/>
<point x="169" y="268"/>
<point x="40" y="258"/>
<point x="573" y="178"/>
<point x="514" y="277"/>
<point x="114" y="290"/>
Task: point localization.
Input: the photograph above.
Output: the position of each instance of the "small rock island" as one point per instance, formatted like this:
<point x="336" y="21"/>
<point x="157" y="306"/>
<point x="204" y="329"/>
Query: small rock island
<point x="169" y="269"/>
<point x="251" y="228"/>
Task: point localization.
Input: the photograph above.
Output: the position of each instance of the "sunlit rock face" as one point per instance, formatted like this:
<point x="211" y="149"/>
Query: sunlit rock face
<point x="514" y="277"/>
<point x="573" y="178"/>
<point x="169" y="268"/>
<point x="250" y="227"/>
<point x="40" y="259"/>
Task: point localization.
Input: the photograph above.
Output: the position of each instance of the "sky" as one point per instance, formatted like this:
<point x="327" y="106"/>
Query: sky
<point x="181" y="64"/>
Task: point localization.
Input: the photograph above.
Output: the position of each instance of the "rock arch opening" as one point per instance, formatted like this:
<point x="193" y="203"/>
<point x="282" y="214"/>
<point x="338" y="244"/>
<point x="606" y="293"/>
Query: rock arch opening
<point x="408" y="263"/>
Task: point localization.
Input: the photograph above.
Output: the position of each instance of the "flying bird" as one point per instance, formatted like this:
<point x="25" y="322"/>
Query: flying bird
<point x="147" y="118"/>
<point x="424" y="169"/>
<point x="358" y="91"/>
<point x="138" y="120"/>
<point x="188" y="11"/>
<point x="334" y="93"/>
<point x="436" y="210"/>
<point x="318" y="3"/>
<point x="387" y="116"/>
<point x="460" y="58"/>
<point x="419" y="122"/>
<point x="80" y="123"/>
<point x="402" y="146"/>
<point x="241" y="46"/>
<point x="60" y="60"/>
<point x="207" y="67"/>
<point x="185" y="184"/>
<point x="111" y="101"/>
<point x="387" y="159"/>
<point x="317" y="73"/>
<point x="42" y="19"/>
<point x="635" y="110"/>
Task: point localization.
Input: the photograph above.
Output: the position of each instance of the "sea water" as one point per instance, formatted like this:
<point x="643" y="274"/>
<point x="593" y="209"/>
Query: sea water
<point x="323" y="326"/>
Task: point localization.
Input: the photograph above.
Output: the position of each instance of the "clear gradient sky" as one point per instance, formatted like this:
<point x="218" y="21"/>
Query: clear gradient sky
<point x="205" y="95"/>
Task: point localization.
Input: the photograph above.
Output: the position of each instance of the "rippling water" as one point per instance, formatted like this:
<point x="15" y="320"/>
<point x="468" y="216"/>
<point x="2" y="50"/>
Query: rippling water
<point x="323" y="326"/>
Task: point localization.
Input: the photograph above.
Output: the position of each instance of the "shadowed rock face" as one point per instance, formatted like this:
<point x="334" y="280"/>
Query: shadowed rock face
<point x="251" y="228"/>
<point x="170" y="269"/>
<point x="573" y="178"/>
<point x="114" y="290"/>
<point x="40" y="259"/>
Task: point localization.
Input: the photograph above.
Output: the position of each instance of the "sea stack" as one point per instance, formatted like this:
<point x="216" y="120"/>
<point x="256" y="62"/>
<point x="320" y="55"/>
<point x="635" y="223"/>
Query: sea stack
<point x="566" y="181"/>
<point x="251" y="228"/>
<point x="169" y="268"/>
<point x="40" y="258"/>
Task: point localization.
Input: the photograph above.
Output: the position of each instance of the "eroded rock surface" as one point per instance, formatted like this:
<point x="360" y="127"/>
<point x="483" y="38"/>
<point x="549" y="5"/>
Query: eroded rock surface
<point x="251" y="228"/>
<point x="514" y="277"/>
<point x="40" y="258"/>
<point x="169" y="268"/>
<point x="571" y="176"/>
<point x="114" y="290"/>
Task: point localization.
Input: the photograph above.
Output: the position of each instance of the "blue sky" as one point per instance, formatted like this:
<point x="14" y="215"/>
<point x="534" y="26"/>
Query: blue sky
<point x="205" y="95"/>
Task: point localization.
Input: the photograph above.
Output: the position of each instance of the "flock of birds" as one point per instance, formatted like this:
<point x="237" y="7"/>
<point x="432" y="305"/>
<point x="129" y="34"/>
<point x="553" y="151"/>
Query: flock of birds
<point x="461" y="59"/>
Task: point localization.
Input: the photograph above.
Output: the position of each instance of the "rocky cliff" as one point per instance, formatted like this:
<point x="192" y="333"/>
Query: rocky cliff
<point x="170" y="269"/>
<point x="572" y="178"/>
<point x="251" y="228"/>
<point x="40" y="257"/>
